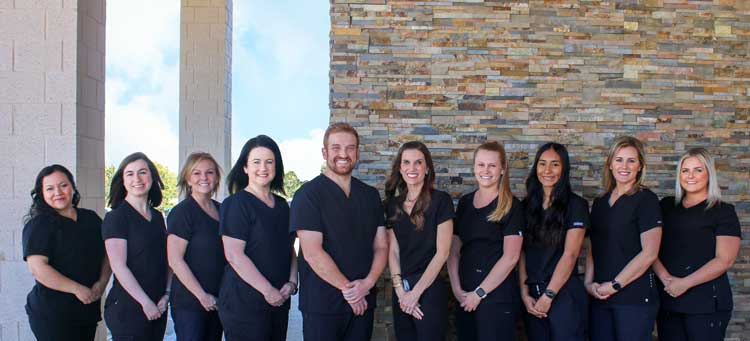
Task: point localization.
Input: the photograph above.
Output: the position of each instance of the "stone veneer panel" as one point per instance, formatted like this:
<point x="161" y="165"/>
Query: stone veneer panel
<point x="206" y="79"/>
<point x="51" y="111"/>
<point x="453" y="74"/>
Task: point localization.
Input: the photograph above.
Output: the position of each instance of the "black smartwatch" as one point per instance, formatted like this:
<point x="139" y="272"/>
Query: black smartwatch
<point x="550" y="293"/>
<point x="480" y="292"/>
<point x="616" y="285"/>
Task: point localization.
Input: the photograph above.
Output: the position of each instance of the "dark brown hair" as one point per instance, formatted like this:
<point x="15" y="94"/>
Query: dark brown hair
<point x="396" y="190"/>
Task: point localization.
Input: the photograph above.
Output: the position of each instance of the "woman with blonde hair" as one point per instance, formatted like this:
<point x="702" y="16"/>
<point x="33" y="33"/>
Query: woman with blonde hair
<point x="701" y="242"/>
<point x="420" y="225"/>
<point x="195" y="251"/>
<point x="486" y="245"/>
<point x="625" y="236"/>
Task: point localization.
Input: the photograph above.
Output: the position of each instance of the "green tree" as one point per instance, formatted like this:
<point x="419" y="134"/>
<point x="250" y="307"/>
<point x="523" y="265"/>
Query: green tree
<point x="291" y="183"/>
<point x="169" y="178"/>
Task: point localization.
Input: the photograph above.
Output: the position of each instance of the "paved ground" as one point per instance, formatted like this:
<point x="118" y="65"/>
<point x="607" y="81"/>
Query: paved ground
<point x="294" y="331"/>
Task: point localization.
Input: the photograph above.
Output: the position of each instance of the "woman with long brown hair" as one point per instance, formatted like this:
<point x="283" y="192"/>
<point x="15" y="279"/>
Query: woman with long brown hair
<point x="486" y="245"/>
<point x="420" y="225"/>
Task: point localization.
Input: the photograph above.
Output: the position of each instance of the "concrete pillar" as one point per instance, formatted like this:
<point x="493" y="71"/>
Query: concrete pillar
<point x="51" y="111"/>
<point x="206" y="79"/>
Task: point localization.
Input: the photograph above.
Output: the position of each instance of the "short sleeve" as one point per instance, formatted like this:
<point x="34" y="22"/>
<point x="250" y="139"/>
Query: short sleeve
<point x="727" y="223"/>
<point x="304" y="214"/>
<point x="235" y="219"/>
<point x="444" y="208"/>
<point x="516" y="222"/>
<point x="460" y="208"/>
<point x="648" y="212"/>
<point x="115" y="225"/>
<point x="578" y="217"/>
<point x="38" y="237"/>
<point x="378" y="211"/>
<point x="179" y="223"/>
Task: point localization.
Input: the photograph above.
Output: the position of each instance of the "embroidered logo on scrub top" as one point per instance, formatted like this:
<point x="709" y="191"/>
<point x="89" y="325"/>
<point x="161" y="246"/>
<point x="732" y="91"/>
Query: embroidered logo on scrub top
<point x="520" y="233"/>
<point x="577" y="223"/>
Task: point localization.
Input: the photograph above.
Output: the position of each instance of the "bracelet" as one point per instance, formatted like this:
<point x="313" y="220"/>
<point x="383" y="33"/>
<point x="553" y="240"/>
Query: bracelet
<point x="396" y="275"/>
<point x="294" y="286"/>
<point x="396" y="285"/>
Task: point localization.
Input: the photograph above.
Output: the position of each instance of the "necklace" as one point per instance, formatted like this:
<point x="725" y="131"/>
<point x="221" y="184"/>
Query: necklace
<point x="411" y="200"/>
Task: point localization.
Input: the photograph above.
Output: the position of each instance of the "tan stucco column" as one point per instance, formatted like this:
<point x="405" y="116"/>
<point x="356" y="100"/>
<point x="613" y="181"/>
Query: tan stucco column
<point x="206" y="79"/>
<point x="51" y="111"/>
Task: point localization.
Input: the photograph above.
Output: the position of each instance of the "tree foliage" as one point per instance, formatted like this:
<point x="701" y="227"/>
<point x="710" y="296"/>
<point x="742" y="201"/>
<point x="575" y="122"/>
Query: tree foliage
<point x="291" y="183"/>
<point x="168" y="177"/>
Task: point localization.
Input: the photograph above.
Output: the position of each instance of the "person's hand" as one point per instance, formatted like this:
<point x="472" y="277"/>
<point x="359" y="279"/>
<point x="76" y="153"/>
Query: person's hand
<point x="543" y="304"/>
<point x="471" y="302"/>
<point x="676" y="287"/>
<point x="606" y="289"/>
<point x="162" y="304"/>
<point x="359" y="308"/>
<point x="530" y="303"/>
<point x="286" y="290"/>
<point x="460" y="295"/>
<point x="84" y="294"/>
<point x="151" y="310"/>
<point x="409" y="301"/>
<point x="98" y="289"/>
<point x="273" y="297"/>
<point x="593" y="290"/>
<point x="356" y="290"/>
<point x="208" y="301"/>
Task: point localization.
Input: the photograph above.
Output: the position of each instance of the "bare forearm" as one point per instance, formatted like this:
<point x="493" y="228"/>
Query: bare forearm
<point x="562" y="272"/>
<point x="187" y="278"/>
<point x="522" y="274"/>
<point x="454" y="259"/>
<point x="660" y="270"/>
<point x="130" y="284"/>
<point x="293" y="268"/>
<point x="499" y="272"/>
<point x="249" y="273"/>
<point x="709" y="271"/>
<point x="53" y="279"/>
<point x="635" y="268"/>
<point x="379" y="260"/>
<point x="432" y="271"/>
<point x="105" y="273"/>
<point x="589" y="272"/>
<point x="324" y="266"/>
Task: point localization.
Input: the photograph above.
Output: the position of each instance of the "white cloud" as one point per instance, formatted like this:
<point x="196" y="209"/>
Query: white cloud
<point x="303" y="155"/>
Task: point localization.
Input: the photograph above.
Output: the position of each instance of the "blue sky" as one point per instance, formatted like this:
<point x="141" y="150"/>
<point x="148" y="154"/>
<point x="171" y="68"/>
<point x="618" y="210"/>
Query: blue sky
<point x="279" y="80"/>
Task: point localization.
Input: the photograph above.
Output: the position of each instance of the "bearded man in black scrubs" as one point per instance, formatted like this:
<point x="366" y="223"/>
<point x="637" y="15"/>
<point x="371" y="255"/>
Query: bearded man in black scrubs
<point x="340" y="224"/>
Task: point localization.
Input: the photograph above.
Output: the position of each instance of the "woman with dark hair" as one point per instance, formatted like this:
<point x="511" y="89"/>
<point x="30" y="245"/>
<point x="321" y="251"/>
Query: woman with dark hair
<point x="255" y="291"/>
<point x="486" y="245"/>
<point x="135" y="238"/>
<point x="557" y="219"/>
<point x="195" y="251"/>
<point x="625" y="236"/>
<point x="419" y="227"/>
<point x="701" y="241"/>
<point x="62" y="244"/>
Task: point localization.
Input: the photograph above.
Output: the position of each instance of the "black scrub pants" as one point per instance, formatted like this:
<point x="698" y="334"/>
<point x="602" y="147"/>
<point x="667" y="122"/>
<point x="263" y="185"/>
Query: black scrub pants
<point x="566" y="318"/>
<point x="615" y="322"/>
<point x="337" y="327"/>
<point x="126" y="322"/>
<point x="51" y="330"/>
<point x="432" y="326"/>
<point x="194" y="325"/>
<point x="673" y="326"/>
<point x="491" y="321"/>
<point x="260" y="325"/>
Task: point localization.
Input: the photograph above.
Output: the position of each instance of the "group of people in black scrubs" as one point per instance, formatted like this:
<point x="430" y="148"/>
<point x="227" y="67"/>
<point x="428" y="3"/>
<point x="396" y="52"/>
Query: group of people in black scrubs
<point x="235" y="264"/>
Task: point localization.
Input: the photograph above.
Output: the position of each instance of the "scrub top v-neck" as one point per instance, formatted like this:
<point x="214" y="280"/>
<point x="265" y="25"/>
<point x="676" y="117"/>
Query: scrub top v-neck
<point x="616" y="239"/>
<point x="146" y="251"/>
<point x="204" y="254"/>
<point x="418" y="247"/>
<point x="482" y="245"/>
<point x="688" y="243"/>
<point x="268" y="244"/>
<point x="348" y="225"/>
<point x="75" y="249"/>
<point x="541" y="260"/>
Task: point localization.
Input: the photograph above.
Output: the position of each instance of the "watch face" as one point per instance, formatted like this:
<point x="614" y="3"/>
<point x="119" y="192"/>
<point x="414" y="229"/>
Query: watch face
<point x="480" y="292"/>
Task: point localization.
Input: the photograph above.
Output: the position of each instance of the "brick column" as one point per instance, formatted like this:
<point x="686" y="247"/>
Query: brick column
<point x="206" y="79"/>
<point x="51" y="111"/>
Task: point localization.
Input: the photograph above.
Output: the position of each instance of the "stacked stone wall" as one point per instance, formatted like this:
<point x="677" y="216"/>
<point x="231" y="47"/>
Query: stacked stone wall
<point x="453" y="74"/>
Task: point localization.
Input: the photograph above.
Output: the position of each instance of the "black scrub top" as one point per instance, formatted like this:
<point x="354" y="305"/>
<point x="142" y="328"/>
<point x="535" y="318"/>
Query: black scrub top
<point x="541" y="260"/>
<point x="482" y="245"/>
<point x="75" y="249"/>
<point x="418" y="247"/>
<point x="146" y="253"/>
<point x="268" y="244"/>
<point x="616" y="240"/>
<point x="689" y="242"/>
<point x="204" y="254"/>
<point x="348" y="225"/>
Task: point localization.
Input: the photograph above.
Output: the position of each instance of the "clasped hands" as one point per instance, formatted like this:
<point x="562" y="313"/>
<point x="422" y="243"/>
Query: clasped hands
<point x="355" y="293"/>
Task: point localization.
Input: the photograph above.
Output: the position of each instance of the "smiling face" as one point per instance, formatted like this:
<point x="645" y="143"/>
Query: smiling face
<point x="137" y="178"/>
<point x="260" y="167"/>
<point x="625" y="166"/>
<point x="694" y="176"/>
<point x="549" y="168"/>
<point x="413" y="167"/>
<point x="57" y="191"/>
<point x="341" y="153"/>
<point x="203" y="178"/>
<point x="487" y="168"/>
